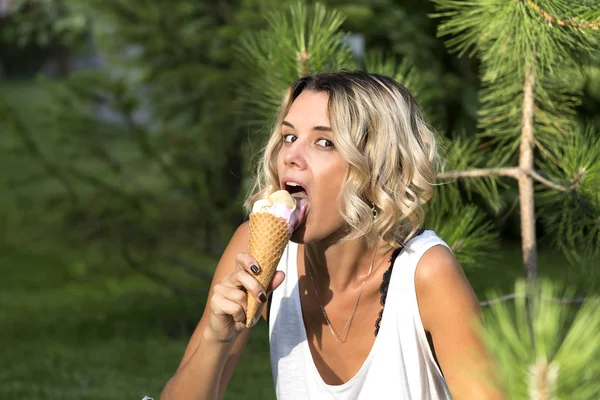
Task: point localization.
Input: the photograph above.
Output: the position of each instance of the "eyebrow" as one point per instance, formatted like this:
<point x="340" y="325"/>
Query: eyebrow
<point x="315" y="128"/>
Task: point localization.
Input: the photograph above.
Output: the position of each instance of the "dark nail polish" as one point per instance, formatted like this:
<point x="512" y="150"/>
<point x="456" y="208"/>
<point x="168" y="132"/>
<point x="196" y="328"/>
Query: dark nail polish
<point x="255" y="270"/>
<point x="262" y="297"/>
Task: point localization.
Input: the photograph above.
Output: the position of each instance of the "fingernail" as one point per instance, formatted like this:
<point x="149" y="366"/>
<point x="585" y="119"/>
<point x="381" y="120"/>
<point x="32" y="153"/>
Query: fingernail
<point x="255" y="270"/>
<point x="262" y="297"/>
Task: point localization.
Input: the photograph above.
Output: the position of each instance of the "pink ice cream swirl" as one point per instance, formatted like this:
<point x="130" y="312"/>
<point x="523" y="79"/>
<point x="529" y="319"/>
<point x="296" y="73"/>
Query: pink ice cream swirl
<point x="282" y="211"/>
<point x="292" y="216"/>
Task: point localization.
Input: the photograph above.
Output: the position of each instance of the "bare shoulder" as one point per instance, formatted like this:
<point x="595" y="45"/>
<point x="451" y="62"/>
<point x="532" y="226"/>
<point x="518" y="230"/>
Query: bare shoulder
<point x="436" y="267"/>
<point x="442" y="288"/>
<point x="450" y="313"/>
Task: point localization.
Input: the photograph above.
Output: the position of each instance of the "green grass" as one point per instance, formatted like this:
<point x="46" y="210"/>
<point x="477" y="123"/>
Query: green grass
<point x="104" y="334"/>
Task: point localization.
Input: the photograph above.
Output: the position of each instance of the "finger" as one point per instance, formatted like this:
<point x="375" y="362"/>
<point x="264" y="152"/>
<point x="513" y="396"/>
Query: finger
<point x="277" y="280"/>
<point x="245" y="261"/>
<point x="242" y="280"/>
<point x="252" y="285"/>
<point x="235" y="294"/>
<point x="223" y="306"/>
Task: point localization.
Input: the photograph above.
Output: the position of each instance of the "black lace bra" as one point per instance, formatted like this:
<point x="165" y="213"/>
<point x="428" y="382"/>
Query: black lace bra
<point x="386" y="283"/>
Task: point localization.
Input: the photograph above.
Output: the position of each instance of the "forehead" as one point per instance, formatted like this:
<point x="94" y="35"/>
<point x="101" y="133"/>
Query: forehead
<point x="309" y="109"/>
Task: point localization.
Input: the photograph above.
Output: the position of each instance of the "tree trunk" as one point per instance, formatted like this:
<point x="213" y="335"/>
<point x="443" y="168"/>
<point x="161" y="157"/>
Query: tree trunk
<point x="526" y="193"/>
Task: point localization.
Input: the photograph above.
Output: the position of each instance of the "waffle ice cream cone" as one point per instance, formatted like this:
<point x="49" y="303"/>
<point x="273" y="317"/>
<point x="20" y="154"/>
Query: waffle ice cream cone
<point x="271" y="224"/>
<point x="268" y="237"/>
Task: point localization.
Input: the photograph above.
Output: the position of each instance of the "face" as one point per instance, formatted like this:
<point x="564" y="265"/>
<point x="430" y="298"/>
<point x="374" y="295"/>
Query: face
<point x="309" y="162"/>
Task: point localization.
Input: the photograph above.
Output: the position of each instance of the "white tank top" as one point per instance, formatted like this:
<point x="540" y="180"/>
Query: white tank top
<point x="400" y="364"/>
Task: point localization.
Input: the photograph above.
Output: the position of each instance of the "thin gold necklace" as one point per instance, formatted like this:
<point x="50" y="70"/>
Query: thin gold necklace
<point x="337" y="337"/>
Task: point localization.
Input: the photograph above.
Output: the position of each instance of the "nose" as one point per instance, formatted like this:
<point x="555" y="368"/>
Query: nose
<point x="294" y="155"/>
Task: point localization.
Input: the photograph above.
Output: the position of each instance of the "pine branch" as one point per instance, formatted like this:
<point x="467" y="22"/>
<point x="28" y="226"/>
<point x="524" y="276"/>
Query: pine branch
<point x="304" y="40"/>
<point x="303" y="67"/>
<point x="526" y="163"/>
<point x="551" y="19"/>
<point x="535" y="175"/>
<point x="142" y="138"/>
<point x="467" y="230"/>
<point x="561" y="359"/>
<point x="513" y="172"/>
<point x="104" y="185"/>
<point x="561" y="300"/>
<point x="572" y="216"/>
<point x="55" y="170"/>
<point x="161" y="279"/>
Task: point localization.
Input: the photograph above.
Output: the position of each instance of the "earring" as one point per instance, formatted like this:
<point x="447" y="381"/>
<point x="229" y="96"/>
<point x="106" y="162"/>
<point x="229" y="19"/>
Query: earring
<point x="374" y="211"/>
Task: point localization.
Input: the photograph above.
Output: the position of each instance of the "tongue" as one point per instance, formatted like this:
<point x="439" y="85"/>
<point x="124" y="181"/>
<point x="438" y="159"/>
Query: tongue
<point x="301" y="208"/>
<point x="299" y="195"/>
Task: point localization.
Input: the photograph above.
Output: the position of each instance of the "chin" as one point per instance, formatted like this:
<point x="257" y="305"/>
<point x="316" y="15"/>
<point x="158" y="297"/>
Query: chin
<point x="304" y="236"/>
<point x="298" y="236"/>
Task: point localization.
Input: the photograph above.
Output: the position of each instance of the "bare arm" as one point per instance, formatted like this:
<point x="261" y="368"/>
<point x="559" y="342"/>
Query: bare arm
<point x="218" y="341"/>
<point x="449" y="311"/>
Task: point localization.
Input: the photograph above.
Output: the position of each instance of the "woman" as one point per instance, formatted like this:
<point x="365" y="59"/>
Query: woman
<point x="366" y="304"/>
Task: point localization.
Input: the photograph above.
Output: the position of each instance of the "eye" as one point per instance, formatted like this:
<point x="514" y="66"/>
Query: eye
<point x="325" y="143"/>
<point x="289" y="138"/>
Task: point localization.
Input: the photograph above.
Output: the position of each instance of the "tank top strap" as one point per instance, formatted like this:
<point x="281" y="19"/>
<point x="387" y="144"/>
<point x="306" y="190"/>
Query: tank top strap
<point x="405" y="264"/>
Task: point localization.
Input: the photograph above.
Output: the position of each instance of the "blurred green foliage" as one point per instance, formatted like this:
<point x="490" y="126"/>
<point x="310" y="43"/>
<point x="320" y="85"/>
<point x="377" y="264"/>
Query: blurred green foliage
<point x="33" y="32"/>
<point x="557" y="357"/>
<point x="44" y="23"/>
<point x="149" y="157"/>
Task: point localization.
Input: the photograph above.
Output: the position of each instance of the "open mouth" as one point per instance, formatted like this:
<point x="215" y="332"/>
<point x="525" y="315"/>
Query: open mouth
<point x="296" y="190"/>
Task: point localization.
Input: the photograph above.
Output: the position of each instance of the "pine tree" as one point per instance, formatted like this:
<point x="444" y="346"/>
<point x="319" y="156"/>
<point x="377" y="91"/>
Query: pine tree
<point x="532" y="55"/>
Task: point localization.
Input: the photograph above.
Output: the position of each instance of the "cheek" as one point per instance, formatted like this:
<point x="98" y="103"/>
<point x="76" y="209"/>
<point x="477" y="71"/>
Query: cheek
<point x="326" y="217"/>
<point x="279" y="163"/>
<point x="278" y="158"/>
<point x="329" y="189"/>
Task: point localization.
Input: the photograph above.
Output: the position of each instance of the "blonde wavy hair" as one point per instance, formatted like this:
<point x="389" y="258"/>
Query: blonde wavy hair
<point x="392" y="153"/>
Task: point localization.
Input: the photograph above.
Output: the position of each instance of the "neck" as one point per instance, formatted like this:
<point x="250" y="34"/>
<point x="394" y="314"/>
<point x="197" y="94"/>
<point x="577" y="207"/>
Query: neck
<point x="342" y="265"/>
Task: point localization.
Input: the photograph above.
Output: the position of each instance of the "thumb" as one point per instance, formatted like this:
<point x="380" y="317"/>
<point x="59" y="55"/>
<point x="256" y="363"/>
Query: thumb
<point x="276" y="281"/>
